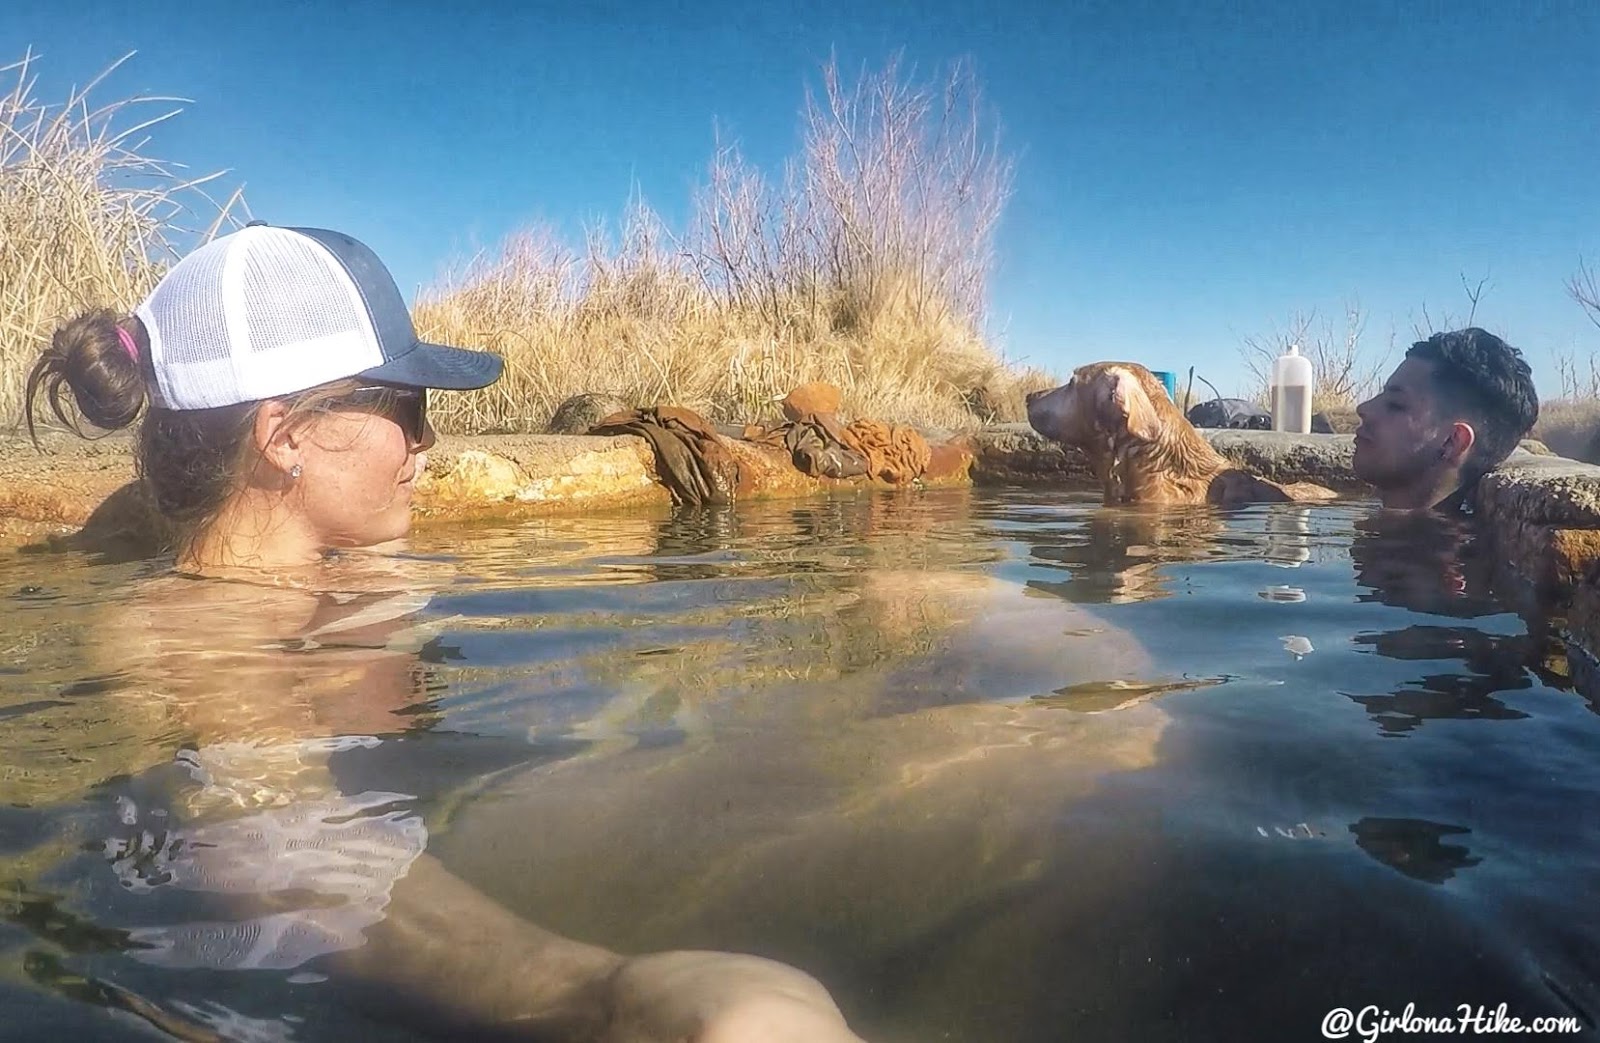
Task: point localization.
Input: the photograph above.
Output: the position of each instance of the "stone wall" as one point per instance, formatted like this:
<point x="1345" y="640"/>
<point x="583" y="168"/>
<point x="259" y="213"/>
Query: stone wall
<point x="83" y="491"/>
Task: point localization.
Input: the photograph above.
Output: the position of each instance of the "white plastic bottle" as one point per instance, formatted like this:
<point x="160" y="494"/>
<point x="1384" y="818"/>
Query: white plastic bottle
<point x="1291" y="392"/>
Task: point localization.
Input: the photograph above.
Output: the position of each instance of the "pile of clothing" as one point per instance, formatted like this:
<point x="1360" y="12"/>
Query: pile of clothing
<point x="693" y="463"/>
<point x="1230" y="412"/>
<point x="697" y="467"/>
<point x="1242" y="415"/>
<point x="823" y="447"/>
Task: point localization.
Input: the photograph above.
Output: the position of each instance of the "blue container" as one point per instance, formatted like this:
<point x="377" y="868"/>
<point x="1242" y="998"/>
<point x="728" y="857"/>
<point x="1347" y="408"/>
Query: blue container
<point x="1170" y="380"/>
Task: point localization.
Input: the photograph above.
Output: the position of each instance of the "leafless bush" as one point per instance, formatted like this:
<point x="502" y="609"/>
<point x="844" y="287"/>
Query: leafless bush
<point x="893" y="202"/>
<point x="1430" y="322"/>
<point x="903" y="190"/>
<point x="1579" y="378"/>
<point x="864" y="263"/>
<point x="1346" y="369"/>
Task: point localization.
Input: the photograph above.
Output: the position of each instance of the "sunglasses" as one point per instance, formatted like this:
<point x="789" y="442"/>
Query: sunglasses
<point x="407" y="407"/>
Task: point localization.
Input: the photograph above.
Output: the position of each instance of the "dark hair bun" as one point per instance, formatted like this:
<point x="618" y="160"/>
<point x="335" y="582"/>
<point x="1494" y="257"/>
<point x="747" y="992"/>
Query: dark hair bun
<point x="88" y="356"/>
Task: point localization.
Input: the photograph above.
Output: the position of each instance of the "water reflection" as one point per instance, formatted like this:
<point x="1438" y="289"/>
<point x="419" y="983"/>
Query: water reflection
<point x="1121" y="555"/>
<point x="1430" y="640"/>
<point x="1415" y="847"/>
<point x="1117" y="555"/>
<point x="1426" y="562"/>
<point x="1288" y="528"/>
<point x="1437" y="565"/>
<point x="1497" y="664"/>
<point x="783" y="683"/>
<point x="1100" y="696"/>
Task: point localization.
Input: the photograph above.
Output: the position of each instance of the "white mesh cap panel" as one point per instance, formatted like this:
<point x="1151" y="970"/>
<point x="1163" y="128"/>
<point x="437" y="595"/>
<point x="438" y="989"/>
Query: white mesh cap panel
<point x="188" y="303"/>
<point x="263" y="312"/>
<point x="303" y="318"/>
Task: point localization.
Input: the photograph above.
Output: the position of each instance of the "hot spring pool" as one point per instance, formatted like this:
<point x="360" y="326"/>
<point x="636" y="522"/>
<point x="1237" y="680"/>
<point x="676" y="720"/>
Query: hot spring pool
<point x="992" y="766"/>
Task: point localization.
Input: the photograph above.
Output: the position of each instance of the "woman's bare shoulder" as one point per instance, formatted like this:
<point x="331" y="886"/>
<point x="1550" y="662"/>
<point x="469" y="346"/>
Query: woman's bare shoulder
<point x="212" y="610"/>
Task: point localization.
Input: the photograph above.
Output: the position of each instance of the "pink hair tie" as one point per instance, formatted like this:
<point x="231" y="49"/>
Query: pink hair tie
<point x="127" y="343"/>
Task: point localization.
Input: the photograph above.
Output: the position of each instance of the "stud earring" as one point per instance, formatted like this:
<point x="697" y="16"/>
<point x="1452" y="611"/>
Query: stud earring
<point x="295" y="472"/>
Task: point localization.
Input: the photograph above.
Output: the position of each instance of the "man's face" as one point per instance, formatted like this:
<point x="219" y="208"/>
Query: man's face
<point x="1402" y="432"/>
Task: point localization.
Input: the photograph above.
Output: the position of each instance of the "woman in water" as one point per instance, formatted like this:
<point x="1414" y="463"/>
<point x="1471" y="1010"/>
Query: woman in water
<point x="284" y="400"/>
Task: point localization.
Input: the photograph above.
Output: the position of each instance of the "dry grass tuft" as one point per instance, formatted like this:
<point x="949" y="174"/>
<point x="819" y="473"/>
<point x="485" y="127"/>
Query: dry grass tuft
<point x="866" y="267"/>
<point x="648" y="331"/>
<point x="87" y="218"/>
<point x="1341" y="416"/>
<point x="1570" y="424"/>
<point x="1570" y="427"/>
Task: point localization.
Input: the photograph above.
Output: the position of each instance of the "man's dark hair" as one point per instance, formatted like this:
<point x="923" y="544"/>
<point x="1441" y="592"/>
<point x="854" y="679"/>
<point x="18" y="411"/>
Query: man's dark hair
<point x="1488" y="381"/>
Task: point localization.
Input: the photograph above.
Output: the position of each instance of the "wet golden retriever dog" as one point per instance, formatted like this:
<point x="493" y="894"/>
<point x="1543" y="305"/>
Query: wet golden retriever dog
<point x="1142" y="448"/>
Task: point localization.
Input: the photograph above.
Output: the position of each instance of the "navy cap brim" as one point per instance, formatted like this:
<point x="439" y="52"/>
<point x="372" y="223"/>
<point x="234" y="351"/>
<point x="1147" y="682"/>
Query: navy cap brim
<point x="438" y="366"/>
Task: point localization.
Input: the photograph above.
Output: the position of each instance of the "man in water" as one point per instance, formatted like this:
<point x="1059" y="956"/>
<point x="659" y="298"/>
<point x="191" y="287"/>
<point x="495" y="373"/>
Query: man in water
<point x="1454" y="409"/>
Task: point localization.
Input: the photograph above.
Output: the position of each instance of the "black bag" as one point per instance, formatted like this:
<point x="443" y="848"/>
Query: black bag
<point x="1230" y="412"/>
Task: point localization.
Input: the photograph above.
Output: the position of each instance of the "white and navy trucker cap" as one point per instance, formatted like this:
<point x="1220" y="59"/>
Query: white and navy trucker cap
<point x="270" y="311"/>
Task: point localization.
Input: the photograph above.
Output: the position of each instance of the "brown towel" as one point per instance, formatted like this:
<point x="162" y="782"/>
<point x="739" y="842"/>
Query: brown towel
<point x="896" y="455"/>
<point x="691" y="460"/>
<point x="823" y="448"/>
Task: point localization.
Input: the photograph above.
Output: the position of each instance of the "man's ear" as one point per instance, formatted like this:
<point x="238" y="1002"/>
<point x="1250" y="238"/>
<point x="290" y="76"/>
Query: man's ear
<point x="275" y="438"/>
<point x="1126" y="406"/>
<point x="1458" y="443"/>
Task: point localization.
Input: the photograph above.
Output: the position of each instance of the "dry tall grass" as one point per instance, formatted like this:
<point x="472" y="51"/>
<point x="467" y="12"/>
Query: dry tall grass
<point x="87" y="218"/>
<point x="643" y="327"/>
<point x="1570" y="426"/>
<point x="866" y="266"/>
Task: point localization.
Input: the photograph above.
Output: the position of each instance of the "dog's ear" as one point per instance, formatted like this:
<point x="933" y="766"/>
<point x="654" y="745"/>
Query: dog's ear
<point x="1123" y="405"/>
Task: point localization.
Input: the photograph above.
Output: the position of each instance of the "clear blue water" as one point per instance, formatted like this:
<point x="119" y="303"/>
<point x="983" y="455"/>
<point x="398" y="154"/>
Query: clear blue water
<point x="991" y="765"/>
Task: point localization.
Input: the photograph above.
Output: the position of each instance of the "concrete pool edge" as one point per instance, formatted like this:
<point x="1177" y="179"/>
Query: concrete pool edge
<point x="1541" y="511"/>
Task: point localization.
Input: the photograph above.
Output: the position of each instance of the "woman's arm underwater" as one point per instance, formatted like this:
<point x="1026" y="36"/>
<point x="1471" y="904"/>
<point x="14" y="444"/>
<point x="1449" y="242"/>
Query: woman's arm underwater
<point x="438" y="948"/>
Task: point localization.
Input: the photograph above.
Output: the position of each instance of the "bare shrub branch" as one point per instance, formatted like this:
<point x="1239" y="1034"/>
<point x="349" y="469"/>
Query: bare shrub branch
<point x="1579" y="378"/>
<point x="1474" y="292"/>
<point x="1345" y="367"/>
<point x="903" y="190"/>
<point x="864" y="262"/>
<point x="1447" y="319"/>
<point x="1584" y="288"/>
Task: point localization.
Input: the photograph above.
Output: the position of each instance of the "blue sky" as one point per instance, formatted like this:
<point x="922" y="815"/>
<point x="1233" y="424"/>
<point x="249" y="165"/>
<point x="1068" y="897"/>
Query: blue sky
<point x="1186" y="174"/>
